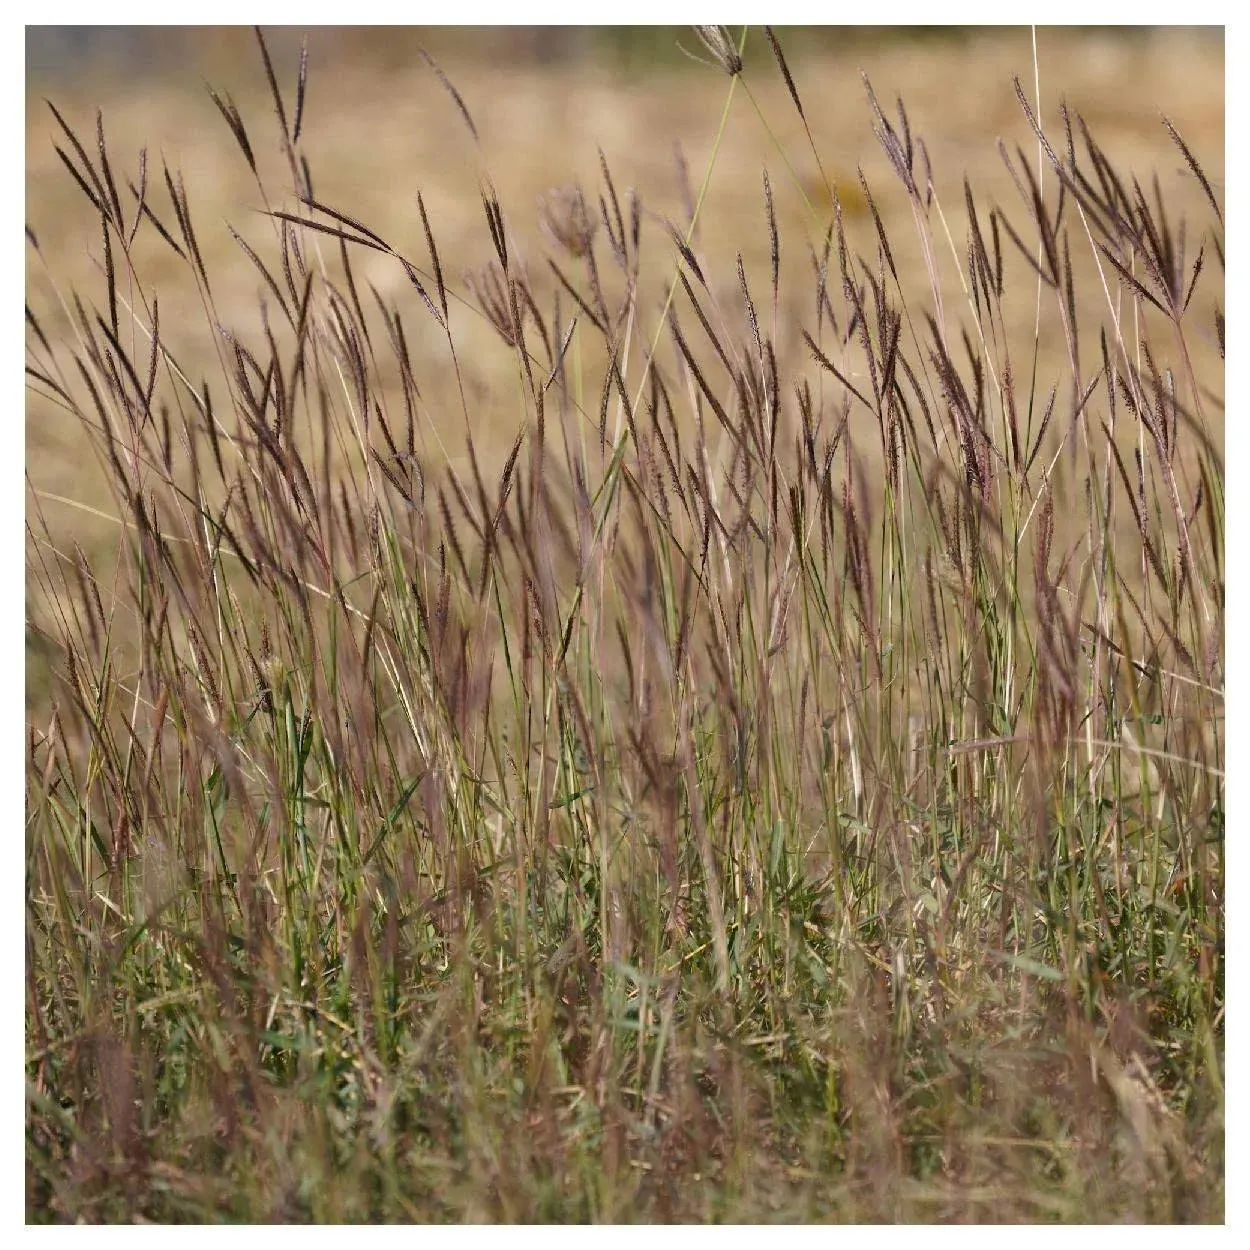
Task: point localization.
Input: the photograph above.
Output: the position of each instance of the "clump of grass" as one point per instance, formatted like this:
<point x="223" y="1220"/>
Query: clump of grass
<point x="792" y="788"/>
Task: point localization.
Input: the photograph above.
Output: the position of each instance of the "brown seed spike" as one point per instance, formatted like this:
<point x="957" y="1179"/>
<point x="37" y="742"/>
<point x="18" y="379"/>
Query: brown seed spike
<point x="429" y="240"/>
<point x="301" y="87"/>
<point x="785" y="70"/>
<point x="774" y="242"/>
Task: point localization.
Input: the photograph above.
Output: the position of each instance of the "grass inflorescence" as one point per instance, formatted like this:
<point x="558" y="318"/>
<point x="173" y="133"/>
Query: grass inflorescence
<point x="791" y="787"/>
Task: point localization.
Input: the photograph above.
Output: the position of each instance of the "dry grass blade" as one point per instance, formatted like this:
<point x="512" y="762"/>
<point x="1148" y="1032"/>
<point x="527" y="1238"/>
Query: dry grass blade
<point x="95" y="193"/>
<point x="227" y="108"/>
<point x="438" y="269"/>
<point x="1195" y="169"/>
<point x="182" y="210"/>
<point x="898" y="150"/>
<point x="451" y="91"/>
<point x="686" y="254"/>
<point x="113" y="202"/>
<point x="335" y="232"/>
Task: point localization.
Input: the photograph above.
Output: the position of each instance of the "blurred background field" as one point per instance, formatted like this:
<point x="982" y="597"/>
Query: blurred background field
<point x="379" y="128"/>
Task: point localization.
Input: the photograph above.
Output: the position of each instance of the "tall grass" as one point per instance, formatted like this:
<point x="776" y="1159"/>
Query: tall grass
<point x="793" y="788"/>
